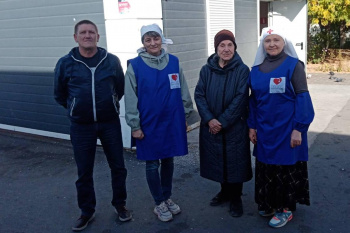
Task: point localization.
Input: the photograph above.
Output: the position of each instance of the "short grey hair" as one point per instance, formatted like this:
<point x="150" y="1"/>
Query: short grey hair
<point x="151" y="34"/>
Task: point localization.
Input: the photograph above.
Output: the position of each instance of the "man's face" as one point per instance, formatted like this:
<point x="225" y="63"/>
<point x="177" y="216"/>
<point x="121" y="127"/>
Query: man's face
<point x="87" y="36"/>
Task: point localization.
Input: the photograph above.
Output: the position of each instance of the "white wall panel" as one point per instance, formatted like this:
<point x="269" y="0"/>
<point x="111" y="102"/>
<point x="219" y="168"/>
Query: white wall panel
<point x="138" y="9"/>
<point x="124" y="38"/>
<point x="220" y="15"/>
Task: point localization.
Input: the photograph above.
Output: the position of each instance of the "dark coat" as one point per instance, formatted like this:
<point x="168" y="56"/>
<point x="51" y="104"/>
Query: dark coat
<point x="222" y="94"/>
<point x="89" y="95"/>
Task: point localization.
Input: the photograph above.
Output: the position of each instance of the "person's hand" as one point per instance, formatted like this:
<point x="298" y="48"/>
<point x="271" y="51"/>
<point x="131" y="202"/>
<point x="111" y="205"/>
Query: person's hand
<point x="252" y="136"/>
<point x="295" y="138"/>
<point x="214" y="126"/>
<point x="138" y="134"/>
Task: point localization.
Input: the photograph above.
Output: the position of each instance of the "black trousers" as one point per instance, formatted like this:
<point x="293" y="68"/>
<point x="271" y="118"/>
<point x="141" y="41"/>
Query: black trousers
<point x="84" y="138"/>
<point x="232" y="190"/>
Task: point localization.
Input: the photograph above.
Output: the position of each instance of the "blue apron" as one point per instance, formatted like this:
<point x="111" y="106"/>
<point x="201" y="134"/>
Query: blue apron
<point x="275" y="110"/>
<point x="162" y="115"/>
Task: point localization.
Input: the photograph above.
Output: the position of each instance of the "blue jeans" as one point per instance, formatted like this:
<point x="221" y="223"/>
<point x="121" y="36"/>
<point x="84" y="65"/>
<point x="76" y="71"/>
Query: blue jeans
<point x="160" y="185"/>
<point x="84" y="139"/>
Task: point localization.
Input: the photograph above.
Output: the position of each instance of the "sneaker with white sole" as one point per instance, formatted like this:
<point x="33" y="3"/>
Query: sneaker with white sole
<point x="281" y="219"/>
<point x="163" y="212"/>
<point x="172" y="207"/>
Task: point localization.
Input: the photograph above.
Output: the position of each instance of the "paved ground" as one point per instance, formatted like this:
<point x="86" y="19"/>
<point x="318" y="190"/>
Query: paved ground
<point x="37" y="174"/>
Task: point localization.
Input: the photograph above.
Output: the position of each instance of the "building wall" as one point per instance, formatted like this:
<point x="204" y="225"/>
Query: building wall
<point x="185" y="23"/>
<point x="34" y="35"/>
<point x="246" y="29"/>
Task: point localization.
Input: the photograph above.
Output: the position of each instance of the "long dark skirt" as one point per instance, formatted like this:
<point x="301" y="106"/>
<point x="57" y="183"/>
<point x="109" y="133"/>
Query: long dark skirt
<point x="281" y="186"/>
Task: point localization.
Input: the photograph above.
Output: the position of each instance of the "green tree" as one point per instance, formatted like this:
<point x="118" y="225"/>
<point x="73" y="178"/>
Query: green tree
<point x="328" y="13"/>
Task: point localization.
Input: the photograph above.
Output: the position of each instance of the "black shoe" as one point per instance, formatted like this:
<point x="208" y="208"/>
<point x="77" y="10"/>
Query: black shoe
<point x="236" y="207"/>
<point x="218" y="199"/>
<point x="123" y="213"/>
<point x="82" y="222"/>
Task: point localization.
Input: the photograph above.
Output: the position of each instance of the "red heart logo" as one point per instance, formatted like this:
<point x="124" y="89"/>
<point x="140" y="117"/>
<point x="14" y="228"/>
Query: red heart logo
<point x="174" y="77"/>
<point x="277" y="80"/>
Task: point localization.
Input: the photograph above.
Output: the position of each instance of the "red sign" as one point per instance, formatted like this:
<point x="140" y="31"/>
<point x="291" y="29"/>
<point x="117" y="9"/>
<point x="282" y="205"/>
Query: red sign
<point x="124" y="7"/>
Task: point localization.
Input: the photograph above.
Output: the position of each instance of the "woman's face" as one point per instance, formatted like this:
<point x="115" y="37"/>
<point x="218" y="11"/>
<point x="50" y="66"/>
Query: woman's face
<point x="153" y="45"/>
<point x="273" y="45"/>
<point x="226" y="50"/>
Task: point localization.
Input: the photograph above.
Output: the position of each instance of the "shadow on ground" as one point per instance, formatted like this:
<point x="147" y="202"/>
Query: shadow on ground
<point x="38" y="193"/>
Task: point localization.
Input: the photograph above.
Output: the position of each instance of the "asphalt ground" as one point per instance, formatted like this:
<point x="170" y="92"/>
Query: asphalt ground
<point x="37" y="175"/>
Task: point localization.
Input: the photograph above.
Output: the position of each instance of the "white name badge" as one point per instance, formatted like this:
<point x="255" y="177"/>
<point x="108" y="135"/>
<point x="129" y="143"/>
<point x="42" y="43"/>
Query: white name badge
<point x="174" y="80"/>
<point x="278" y="85"/>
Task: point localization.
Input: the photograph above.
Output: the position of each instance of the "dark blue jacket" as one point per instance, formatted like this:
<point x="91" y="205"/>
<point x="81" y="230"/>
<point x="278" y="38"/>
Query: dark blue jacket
<point x="222" y="94"/>
<point x="89" y="94"/>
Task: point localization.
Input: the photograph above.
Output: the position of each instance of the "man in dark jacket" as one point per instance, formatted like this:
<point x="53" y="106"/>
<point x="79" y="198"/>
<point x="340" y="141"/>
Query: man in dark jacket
<point x="89" y="82"/>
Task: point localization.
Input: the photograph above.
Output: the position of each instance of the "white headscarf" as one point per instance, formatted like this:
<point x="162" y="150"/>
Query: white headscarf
<point x="261" y="53"/>
<point x="153" y="28"/>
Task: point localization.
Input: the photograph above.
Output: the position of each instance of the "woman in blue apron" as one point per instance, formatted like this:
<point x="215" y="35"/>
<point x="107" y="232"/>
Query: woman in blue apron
<point x="157" y="102"/>
<point x="280" y="114"/>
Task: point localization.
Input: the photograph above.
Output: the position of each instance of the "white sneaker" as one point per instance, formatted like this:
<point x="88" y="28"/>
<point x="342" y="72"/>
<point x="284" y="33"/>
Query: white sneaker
<point x="172" y="207"/>
<point x="163" y="212"/>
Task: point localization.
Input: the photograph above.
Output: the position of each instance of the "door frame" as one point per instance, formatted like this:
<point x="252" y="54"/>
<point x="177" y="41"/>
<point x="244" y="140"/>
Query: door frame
<point x="270" y="21"/>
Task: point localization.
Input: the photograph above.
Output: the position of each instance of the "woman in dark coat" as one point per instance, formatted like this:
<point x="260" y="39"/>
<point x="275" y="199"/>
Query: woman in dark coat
<point x="221" y="96"/>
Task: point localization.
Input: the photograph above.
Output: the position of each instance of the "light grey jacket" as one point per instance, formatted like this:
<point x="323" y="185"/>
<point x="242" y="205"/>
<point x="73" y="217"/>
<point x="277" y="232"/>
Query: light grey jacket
<point x="130" y="93"/>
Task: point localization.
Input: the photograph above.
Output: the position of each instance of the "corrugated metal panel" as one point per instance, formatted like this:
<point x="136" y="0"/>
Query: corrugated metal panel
<point x="246" y="29"/>
<point x="34" y="35"/>
<point x="185" y="23"/>
<point x="220" y="15"/>
<point x="26" y="100"/>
